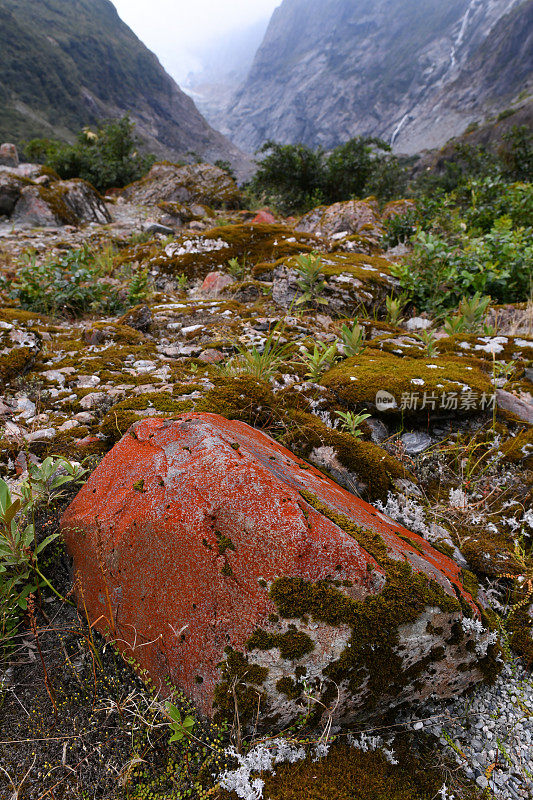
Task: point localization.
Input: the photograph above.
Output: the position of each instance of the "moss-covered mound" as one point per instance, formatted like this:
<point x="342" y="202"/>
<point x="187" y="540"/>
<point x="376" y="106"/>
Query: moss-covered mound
<point x="425" y="387"/>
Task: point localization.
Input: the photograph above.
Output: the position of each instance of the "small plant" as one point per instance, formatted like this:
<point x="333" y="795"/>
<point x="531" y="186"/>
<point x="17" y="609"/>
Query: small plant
<point x="352" y="421"/>
<point x="399" y="229"/>
<point x="182" y="281"/>
<point x="259" y="363"/>
<point x="524" y="575"/>
<point x="322" y="358"/>
<point x="237" y="269"/>
<point x="180" y="727"/>
<point x="429" y="340"/>
<point x="139" y="290"/>
<point x="353" y="339"/>
<point x="311" y="282"/>
<point x="20" y="573"/>
<point x="469" y="318"/>
<point x="395" y="307"/>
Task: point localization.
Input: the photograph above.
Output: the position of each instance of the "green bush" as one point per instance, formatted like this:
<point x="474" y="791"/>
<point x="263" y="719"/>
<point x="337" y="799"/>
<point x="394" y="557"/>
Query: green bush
<point x="296" y="178"/>
<point x="108" y="157"/>
<point x="440" y="273"/>
<point x="77" y="283"/>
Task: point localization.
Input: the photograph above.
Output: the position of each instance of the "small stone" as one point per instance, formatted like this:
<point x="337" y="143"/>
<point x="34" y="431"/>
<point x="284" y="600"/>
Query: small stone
<point x="156" y="227"/>
<point x="69" y="424"/>
<point x="93" y="400"/>
<point x="211" y="356"/>
<point x="215" y="283"/>
<point x="415" y="443"/>
<point x="418" y="324"/>
<point x="142" y="367"/>
<point x="43" y="435"/>
<point x="87" y="381"/>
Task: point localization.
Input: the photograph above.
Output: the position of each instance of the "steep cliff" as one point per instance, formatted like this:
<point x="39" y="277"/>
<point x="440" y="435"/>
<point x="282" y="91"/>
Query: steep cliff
<point x="69" y="63"/>
<point x="412" y="71"/>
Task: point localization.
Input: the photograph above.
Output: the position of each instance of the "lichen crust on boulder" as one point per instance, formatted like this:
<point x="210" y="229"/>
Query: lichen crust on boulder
<point x="218" y="560"/>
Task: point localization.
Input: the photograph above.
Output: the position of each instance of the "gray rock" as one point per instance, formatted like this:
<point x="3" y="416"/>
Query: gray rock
<point x="9" y="156"/>
<point x="415" y="443"/>
<point x="418" y="324"/>
<point x="513" y="404"/>
<point x="413" y="79"/>
<point x="156" y="227"/>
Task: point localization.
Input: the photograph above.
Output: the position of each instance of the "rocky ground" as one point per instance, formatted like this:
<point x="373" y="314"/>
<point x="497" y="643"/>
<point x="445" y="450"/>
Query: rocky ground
<point x="179" y="301"/>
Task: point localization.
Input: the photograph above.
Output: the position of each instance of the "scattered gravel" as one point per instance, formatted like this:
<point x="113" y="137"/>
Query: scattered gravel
<point x="491" y="733"/>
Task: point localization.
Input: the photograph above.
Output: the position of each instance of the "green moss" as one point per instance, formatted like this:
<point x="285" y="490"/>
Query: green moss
<point x="119" y="332"/>
<point x="257" y="243"/>
<point x="123" y="415"/>
<point x="15" y="363"/>
<point x="240" y="684"/>
<point x="350" y="774"/>
<point x="246" y="399"/>
<point x="292" y="644"/>
<point x="8" y="314"/>
<point x="520" y="628"/>
<point x="356" y="381"/>
<point x="289" y="688"/>
<point x="224" y="543"/>
<point x="375" y="468"/>
<point x="54" y="197"/>
<point x="470" y="582"/>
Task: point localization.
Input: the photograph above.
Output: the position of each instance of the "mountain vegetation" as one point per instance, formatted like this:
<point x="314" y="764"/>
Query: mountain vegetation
<point x="65" y="64"/>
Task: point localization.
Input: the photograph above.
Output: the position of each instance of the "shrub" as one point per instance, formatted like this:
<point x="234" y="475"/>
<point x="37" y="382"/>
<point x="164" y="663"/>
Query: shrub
<point x="107" y="157"/>
<point x="440" y="273"/>
<point x="76" y="283"/>
<point x="297" y="178"/>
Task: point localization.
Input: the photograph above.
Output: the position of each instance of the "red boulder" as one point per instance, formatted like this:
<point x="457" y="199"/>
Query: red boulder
<point x="218" y="559"/>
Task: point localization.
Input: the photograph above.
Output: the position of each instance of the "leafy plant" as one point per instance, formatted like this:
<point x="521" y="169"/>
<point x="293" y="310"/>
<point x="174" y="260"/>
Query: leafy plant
<point x="322" y="358"/>
<point x="353" y="339"/>
<point x="470" y="315"/>
<point x="394" y="307"/>
<point x="69" y="285"/>
<point x="352" y="421"/>
<point x="20" y="572"/>
<point x="311" y="282"/>
<point x="399" y="228"/>
<point x="237" y="268"/>
<point x="180" y="728"/>
<point x="139" y="291"/>
<point x="428" y="338"/>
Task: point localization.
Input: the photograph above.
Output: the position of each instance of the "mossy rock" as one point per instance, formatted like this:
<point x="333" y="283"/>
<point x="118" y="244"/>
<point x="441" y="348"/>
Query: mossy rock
<point x="9" y="314"/>
<point x="123" y="415"/>
<point x="423" y="387"/>
<point x="252" y="243"/>
<point x="119" y="332"/>
<point x="17" y="362"/>
<point x="519" y="448"/>
<point x="244" y="398"/>
<point x="501" y="347"/>
<point x="350" y="774"/>
<point x="369" y="467"/>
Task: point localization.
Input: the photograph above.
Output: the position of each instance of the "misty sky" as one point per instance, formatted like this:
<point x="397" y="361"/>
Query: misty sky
<point x="177" y="30"/>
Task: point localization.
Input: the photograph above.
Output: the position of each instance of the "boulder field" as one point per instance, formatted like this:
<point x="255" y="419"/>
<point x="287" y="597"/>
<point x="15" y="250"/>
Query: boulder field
<point x="221" y="562"/>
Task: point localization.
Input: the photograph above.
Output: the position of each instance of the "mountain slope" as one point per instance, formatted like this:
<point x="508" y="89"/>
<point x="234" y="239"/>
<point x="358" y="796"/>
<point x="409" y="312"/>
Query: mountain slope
<point x="328" y="70"/>
<point x="69" y="63"/>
